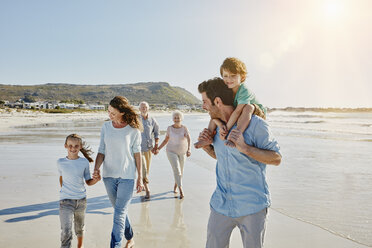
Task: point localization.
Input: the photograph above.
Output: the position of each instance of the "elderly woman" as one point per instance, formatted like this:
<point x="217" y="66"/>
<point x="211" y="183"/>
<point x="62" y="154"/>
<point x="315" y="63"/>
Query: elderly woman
<point x="178" y="141"/>
<point x="120" y="153"/>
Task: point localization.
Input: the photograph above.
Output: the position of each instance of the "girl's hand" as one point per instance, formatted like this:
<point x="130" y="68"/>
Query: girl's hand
<point x="188" y="153"/>
<point x="139" y="185"/>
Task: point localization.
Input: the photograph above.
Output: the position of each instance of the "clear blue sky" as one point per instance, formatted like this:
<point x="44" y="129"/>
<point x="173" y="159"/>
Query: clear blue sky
<point x="298" y="52"/>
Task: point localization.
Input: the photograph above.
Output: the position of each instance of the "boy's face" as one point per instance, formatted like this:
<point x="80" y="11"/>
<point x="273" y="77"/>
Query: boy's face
<point x="232" y="80"/>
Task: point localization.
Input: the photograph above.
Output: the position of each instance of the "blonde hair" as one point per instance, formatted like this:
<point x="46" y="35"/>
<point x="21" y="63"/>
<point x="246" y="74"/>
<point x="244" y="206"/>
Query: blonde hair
<point x="234" y="65"/>
<point x="85" y="149"/>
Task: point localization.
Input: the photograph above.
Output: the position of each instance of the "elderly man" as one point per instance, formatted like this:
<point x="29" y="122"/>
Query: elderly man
<point x="149" y="134"/>
<point x="241" y="197"/>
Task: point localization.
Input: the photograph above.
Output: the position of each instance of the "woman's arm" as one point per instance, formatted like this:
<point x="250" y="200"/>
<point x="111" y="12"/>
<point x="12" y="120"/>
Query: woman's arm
<point x="99" y="160"/>
<point x="138" y="161"/>
<point x="187" y="134"/>
<point x="165" y="141"/>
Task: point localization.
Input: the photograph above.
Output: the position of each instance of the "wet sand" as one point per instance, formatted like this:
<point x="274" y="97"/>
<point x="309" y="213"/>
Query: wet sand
<point x="29" y="208"/>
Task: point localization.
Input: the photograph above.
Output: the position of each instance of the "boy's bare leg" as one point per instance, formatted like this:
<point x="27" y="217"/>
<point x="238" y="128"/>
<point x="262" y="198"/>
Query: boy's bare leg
<point x="243" y="121"/>
<point x="211" y="127"/>
<point x="80" y="242"/>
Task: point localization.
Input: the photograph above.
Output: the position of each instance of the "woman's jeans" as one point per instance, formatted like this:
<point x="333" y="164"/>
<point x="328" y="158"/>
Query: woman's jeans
<point x="120" y="193"/>
<point x="71" y="211"/>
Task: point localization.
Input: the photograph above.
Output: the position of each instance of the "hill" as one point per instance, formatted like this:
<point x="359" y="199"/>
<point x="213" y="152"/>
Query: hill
<point x="152" y="92"/>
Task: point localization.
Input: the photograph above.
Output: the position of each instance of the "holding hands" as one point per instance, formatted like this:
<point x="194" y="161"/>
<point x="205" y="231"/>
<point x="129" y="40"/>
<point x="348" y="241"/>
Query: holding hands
<point x="97" y="175"/>
<point x="155" y="150"/>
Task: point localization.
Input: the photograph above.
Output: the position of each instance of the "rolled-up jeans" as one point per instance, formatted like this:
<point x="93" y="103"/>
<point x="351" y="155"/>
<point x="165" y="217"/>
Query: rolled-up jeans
<point x="120" y="192"/>
<point x="71" y="211"/>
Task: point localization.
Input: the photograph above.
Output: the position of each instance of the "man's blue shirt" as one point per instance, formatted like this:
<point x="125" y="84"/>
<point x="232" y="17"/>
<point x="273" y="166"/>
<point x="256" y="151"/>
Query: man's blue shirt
<point x="241" y="181"/>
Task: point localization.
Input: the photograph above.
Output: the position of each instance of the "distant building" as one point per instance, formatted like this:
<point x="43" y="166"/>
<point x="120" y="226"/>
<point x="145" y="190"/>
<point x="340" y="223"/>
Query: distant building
<point x="183" y="107"/>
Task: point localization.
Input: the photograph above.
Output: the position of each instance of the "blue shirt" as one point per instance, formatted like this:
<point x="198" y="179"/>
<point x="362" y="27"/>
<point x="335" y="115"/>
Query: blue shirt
<point x="73" y="173"/>
<point x="150" y="129"/>
<point x="241" y="181"/>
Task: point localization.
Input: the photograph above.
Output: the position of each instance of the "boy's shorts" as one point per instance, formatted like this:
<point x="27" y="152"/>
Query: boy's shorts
<point x="258" y="111"/>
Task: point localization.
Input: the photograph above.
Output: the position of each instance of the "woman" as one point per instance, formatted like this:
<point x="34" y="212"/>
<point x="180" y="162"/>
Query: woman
<point x="120" y="153"/>
<point x="178" y="141"/>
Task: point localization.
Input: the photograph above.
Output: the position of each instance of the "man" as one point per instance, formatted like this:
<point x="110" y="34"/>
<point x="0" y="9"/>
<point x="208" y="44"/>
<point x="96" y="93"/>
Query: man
<point x="241" y="197"/>
<point x="149" y="134"/>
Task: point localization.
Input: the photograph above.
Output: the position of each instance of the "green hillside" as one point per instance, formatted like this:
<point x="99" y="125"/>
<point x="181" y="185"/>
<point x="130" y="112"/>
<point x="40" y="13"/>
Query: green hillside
<point x="153" y="93"/>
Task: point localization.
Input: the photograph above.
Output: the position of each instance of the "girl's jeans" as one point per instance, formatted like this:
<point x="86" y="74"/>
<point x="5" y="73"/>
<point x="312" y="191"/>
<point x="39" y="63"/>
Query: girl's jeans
<point x="71" y="211"/>
<point x="120" y="193"/>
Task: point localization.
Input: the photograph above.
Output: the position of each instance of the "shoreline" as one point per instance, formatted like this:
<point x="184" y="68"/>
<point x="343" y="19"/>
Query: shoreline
<point x="13" y="118"/>
<point x="283" y="230"/>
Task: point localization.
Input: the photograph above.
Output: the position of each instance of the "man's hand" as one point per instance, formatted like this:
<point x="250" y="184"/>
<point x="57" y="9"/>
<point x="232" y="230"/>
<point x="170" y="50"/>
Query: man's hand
<point x="237" y="138"/>
<point x="153" y="150"/>
<point x="206" y="136"/>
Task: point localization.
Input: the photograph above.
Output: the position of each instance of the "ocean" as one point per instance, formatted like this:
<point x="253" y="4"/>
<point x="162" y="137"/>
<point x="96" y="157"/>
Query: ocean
<point x="324" y="179"/>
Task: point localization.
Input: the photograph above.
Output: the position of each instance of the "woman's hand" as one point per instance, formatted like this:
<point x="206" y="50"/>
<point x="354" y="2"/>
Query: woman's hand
<point x="188" y="153"/>
<point x="139" y="185"/>
<point x="97" y="175"/>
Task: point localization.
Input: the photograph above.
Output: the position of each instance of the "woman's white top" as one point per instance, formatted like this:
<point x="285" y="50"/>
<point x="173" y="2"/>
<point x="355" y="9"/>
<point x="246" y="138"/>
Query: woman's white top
<point x="177" y="142"/>
<point x="119" y="145"/>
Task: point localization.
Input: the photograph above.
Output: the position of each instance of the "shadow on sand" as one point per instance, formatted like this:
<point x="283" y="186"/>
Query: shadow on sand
<point x="95" y="205"/>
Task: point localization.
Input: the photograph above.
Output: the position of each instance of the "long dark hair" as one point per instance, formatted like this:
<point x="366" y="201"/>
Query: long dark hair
<point x="85" y="149"/>
<point x="130" y="116"/>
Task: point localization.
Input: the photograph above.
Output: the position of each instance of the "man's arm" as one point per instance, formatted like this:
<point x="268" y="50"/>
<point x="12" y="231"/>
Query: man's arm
<point x="210" y="150"/>
<point x="261" y="155"/>
<point x="206" y="135"/>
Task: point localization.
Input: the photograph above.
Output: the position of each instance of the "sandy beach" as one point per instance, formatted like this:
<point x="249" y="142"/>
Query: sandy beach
<point x="29" y="205"/>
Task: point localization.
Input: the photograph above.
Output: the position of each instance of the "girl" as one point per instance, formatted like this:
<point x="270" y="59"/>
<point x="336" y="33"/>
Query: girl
<point x="72" y="205"/>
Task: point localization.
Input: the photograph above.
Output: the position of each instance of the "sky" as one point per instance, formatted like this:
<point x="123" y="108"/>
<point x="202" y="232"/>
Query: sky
<point x="298" y="53"/>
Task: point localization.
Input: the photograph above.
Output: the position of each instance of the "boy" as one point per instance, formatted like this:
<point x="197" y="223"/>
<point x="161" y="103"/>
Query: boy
<point x="234" y="73"/>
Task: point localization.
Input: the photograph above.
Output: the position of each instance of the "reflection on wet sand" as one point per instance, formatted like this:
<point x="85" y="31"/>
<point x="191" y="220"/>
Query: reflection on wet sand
<point x="163" y="228"/>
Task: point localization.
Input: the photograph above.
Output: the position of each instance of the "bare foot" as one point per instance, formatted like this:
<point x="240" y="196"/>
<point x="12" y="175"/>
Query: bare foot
<point x="181" y="193"/>
<point x="175" y="188"/>
<point x="200" y="144"/>
<point x="147" y="196"/>
<point x="129" y="244"/>
<point x="229" y="143"/>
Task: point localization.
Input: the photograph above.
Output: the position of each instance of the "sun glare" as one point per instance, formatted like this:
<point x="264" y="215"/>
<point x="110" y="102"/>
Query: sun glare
<point x="333" y="9"/>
